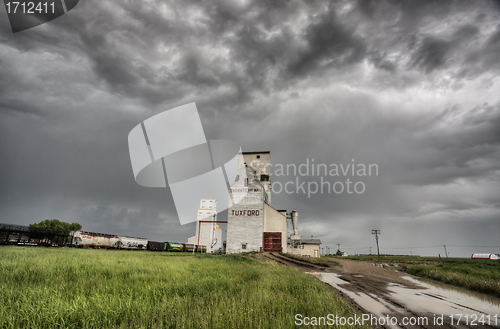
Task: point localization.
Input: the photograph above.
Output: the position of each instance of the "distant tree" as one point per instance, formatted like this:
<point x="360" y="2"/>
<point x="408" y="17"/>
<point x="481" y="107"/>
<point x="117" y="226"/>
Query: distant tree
<point x="339" y="253"/>
<point x="54" y="230"/>
<point x="54" y="225"/>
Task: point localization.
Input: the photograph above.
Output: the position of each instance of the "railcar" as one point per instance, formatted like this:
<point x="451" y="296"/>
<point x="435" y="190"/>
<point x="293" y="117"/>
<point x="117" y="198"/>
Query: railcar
<point x="127" y="242"/>
<point x="156" y="246"/>
<point x="195" y="248"/>
<point x="174" y="246"/>
<point x="84" y="239"/>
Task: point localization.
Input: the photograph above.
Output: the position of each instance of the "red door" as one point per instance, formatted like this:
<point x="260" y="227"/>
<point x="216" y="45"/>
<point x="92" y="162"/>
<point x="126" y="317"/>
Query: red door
<point x="272" y="241"/>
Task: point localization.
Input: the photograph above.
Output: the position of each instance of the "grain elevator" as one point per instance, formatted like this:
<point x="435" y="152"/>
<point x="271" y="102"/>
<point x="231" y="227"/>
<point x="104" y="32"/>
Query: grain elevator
<point x="252" y="223"/>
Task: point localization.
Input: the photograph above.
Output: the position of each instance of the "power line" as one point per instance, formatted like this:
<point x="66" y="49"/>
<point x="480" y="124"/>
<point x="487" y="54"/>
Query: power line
<point x="422" y="247"/>
<point x="426" y="247"/>
<point x="448" y="245"/>
<point x="358" y="248"/>
<point x="472" y="246"/>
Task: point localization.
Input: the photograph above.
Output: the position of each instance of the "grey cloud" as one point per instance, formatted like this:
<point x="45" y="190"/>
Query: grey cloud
<point x="329" y="44"/>
<point x="431" y="54"/>
<point x="466" y="32"/>
<point x="453" y="145"/>
<point x="399" y="84"/>
<point x="379" y="60"/>
<point x="486" y="58"/>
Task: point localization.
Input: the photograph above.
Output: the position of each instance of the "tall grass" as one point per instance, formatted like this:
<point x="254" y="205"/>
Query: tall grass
<point x="473" y="274"/>
<point x="75" y="288"/>
<point x="482" y="275"/>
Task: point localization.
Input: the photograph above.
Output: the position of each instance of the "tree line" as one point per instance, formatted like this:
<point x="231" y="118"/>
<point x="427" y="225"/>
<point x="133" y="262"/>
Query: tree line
<point x="53" y="231"/>
<point x="54" y="225"/>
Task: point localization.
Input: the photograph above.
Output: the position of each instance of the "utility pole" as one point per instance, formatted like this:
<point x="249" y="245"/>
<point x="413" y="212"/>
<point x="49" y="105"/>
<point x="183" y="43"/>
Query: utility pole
<point x="338" y="246"/>
<point x="446" y="254"/>
<point x="377" y="232"/>
<point x="322" y="251"/>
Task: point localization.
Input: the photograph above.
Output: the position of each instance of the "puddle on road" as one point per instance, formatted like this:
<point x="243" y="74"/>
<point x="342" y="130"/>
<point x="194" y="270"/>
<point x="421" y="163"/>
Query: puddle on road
<point x="432" y="299"/>
<point x="463" y="291"/>
<point x="437" y="300"/>
<point x="370" y="302"/>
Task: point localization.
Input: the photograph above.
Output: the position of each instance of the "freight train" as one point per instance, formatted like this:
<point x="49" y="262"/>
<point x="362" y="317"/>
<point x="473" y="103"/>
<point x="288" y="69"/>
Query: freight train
<point x="174" y="246"/>
<point x="108" y="241"/>
<point x="21" y="235"/>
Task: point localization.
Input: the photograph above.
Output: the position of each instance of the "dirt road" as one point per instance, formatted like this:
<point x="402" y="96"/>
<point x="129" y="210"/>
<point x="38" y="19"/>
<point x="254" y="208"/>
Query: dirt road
<point x="395" y="299"/>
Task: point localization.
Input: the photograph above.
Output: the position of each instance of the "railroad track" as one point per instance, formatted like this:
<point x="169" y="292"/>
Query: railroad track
<point x="286" y="260"/>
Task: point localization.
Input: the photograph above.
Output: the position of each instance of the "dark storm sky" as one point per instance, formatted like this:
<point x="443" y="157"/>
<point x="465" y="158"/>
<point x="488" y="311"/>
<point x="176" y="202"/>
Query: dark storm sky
<point x="411" y="86"/>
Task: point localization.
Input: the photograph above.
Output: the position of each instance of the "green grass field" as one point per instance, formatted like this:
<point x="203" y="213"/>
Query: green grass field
<point x="474" y="274"/>
<point x="83" y="288"/>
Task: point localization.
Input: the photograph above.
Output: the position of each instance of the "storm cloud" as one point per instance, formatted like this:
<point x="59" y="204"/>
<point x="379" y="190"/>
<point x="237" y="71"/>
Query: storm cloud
<point x="411" y="86"/>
